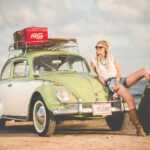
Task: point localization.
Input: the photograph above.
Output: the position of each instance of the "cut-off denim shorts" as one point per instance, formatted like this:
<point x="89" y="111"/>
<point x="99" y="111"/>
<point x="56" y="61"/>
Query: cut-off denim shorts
<point x="111" y="81"/>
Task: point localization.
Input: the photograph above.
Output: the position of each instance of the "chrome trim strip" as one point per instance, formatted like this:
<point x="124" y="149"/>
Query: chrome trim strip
<point x="21" y="118"/>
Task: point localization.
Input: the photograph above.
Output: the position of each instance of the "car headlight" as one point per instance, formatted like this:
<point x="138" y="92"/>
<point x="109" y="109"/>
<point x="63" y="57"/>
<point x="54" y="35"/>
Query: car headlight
<point x="62" y="95"/>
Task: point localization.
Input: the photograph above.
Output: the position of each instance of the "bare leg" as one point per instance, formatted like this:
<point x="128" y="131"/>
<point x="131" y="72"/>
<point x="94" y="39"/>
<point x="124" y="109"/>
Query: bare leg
<point x="138" y="75"/>
<point x="127" y="97"/>
<point x="132" y="110"/>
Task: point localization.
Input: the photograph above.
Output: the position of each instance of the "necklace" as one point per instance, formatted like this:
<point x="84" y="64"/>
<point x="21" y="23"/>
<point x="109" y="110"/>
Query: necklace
<point x="103" y="61"/>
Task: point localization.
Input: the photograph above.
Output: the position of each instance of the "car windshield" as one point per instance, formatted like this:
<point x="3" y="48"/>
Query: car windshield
<point x="53" y="63"/>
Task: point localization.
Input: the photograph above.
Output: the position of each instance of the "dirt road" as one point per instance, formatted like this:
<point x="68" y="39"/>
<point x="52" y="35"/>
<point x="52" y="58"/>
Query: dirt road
<point x="72" y="135"/>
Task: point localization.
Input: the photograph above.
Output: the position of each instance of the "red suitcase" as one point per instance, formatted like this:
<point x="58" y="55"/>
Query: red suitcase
<point x="30" y="36"/>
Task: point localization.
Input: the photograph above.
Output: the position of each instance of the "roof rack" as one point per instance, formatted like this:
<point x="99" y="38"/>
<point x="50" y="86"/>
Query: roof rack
<point x="52" y="44"/>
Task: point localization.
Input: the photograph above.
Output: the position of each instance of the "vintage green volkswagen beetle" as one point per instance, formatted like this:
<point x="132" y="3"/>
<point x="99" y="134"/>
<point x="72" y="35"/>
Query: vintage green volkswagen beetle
<point x="49" y="84"/>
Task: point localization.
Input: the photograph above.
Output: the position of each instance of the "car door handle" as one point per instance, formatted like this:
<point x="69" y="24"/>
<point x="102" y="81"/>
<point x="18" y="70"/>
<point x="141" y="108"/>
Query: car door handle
<point x="9" y="85"/>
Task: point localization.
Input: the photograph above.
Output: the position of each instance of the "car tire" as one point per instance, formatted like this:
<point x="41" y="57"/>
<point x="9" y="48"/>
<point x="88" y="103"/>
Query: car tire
<point x="2" y="123"/>
<point x="116" y="121"/>
<point x="43" y="120"/>
<point x="144" y="110"/>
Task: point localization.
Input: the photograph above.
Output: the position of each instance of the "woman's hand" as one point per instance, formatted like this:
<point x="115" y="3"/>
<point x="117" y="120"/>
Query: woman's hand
<point x="116" y="86"/>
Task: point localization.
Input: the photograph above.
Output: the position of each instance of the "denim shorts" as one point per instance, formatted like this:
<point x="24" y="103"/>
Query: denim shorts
<point x="111" y="81"/>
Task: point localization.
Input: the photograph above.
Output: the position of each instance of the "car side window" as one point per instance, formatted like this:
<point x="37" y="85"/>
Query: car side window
<point x="21" y="69"/>
<point x="6" y="71"/>
<point x="79" y="66"/>
<point x="64" y="66"/>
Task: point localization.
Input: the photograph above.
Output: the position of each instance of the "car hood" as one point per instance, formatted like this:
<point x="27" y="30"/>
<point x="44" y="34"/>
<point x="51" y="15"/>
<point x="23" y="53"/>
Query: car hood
<point x="84" y="86"/>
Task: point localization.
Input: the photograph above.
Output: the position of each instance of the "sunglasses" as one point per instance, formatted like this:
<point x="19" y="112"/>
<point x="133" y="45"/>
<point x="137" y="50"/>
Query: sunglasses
<point x="98" y="47"/>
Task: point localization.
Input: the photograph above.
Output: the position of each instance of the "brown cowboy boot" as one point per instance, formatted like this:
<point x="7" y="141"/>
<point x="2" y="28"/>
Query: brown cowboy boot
<point x="136" y="123"/>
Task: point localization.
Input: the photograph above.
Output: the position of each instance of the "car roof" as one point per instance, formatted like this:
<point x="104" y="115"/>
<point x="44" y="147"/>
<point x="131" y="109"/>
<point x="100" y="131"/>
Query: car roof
<point x="35" y="53"/>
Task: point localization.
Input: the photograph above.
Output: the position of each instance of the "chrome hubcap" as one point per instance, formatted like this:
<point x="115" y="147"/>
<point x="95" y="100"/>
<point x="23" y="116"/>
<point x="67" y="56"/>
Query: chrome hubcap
<point x="41" y="115"/>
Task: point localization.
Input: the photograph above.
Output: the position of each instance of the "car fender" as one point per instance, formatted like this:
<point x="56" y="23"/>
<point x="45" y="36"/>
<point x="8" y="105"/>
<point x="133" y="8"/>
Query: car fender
<point x="48" y="94"/>
<point x="47" y="91"/>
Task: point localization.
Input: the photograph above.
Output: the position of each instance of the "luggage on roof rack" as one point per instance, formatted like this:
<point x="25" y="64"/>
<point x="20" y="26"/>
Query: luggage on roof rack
<point x="36" y="38"/>
<point x="30" y="36"/>
<point x="65" y="44"/>
<point x="50" y="44"/>
<point x="60" y="43"/>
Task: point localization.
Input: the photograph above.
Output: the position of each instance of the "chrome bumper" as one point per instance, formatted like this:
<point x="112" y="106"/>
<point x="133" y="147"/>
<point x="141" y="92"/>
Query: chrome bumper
<point x="81" y="110"/>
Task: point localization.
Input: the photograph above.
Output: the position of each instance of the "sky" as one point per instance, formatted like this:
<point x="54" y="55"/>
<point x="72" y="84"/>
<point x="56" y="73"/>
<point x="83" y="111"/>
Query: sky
<point x="124" y="24"/>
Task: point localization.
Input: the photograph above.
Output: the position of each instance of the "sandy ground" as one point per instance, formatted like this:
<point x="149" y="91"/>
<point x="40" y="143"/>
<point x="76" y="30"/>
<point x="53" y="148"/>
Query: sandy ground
<point x="72" y="135"/>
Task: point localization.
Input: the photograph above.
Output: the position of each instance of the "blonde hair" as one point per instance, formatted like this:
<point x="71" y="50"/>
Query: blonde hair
<point x="106" y="46"/>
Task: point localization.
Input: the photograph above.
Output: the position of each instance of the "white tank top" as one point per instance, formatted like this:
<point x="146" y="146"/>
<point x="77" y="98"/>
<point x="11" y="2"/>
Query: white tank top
<point x="107" y="71"/>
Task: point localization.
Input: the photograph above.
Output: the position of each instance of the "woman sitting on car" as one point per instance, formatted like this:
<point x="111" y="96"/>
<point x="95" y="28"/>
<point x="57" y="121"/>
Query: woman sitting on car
<point x="109" y="74"/>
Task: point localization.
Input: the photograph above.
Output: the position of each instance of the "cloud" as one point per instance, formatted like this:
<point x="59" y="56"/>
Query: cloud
<point x="125" y="24"/>
<point x="125" y="11"/>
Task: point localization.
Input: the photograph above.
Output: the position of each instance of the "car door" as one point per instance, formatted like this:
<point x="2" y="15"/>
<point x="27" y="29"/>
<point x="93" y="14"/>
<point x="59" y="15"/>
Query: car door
<point x="20" y="89"/>
<point x="4" y="86"/>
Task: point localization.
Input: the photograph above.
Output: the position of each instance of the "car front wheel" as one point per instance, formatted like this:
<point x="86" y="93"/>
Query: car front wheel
<point x="115" y="122"/>
<point x="43" y="120"/>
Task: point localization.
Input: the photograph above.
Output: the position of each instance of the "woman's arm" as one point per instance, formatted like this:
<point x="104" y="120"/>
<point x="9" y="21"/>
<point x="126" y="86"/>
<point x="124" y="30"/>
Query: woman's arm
<point x="119" y="72"/>
<point x="119" y="75"/>
<point x="100" y="78"/>
<point x="93" y="65"/>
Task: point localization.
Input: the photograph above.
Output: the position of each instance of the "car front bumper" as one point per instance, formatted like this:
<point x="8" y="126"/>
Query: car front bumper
<point x="80" y="109"/>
